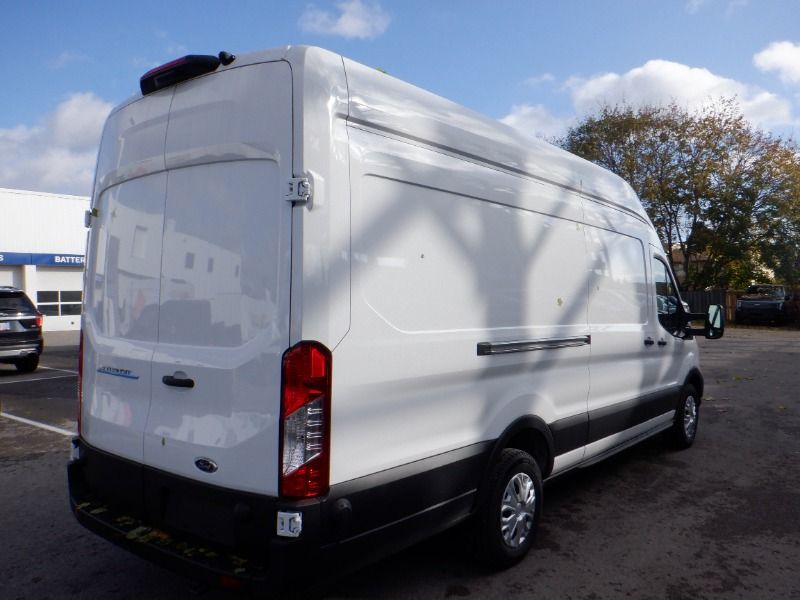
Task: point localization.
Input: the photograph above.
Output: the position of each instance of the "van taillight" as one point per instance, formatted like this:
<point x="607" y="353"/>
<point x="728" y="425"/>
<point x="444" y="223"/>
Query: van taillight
<point x="80" y="380"/>
<point x="305" y="420"/>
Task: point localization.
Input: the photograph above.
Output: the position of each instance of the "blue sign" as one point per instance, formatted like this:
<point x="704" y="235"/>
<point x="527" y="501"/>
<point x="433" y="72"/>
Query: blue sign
<point x="14" y="258"/>
<point x="56" y="260"/>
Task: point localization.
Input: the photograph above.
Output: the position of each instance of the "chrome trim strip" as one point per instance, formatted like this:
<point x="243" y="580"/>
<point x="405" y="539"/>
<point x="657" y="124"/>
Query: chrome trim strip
<point x="491" y="348"/>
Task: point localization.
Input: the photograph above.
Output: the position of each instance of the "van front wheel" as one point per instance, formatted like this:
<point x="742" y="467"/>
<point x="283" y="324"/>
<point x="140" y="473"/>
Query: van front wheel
<point x="687" y="417"/>
<point x="507" y="518"/>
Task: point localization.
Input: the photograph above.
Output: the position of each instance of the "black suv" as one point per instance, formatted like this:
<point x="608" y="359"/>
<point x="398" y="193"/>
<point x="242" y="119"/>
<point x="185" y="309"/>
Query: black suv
<point x="763" y="302"/>
<point x="21" y="340"/>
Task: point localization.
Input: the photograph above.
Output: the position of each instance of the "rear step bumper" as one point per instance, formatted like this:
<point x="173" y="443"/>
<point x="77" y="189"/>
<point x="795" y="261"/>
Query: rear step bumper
<point x="103" y="497"/>
<point x="204" y="562"/>
<point x="228" y="538"/>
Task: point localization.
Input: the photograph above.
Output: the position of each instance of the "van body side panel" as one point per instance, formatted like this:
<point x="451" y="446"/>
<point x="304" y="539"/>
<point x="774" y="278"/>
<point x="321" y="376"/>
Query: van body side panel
<point x="619" y="318"/>
<point x="398" y="108"/>
<point x="623" y="392"/>
<point x="635" y="362"/>
<point x="224" y="301"/>
<point x="678" y="356"/>
<point x="321" y="239"/>
<point x="447" y="255"/>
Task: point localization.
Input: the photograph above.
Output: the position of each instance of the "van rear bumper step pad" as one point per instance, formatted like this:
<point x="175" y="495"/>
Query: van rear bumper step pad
<point x="204" y="561"/>
<point x="220" y="536"/>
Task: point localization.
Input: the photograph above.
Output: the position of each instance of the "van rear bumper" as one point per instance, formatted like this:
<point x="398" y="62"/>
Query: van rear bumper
<point x="222" y="537"/>
<point x="228" y="538"/>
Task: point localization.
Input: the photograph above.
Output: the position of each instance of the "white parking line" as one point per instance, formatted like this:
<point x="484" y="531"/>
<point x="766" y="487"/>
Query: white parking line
<point x="36" y="379"/>
<point x="39" y="425"/>
<point x="54" y="369"/>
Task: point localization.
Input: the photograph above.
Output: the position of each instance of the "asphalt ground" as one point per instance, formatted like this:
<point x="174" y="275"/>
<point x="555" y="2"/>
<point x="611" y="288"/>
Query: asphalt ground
<point x="720" y="520"/>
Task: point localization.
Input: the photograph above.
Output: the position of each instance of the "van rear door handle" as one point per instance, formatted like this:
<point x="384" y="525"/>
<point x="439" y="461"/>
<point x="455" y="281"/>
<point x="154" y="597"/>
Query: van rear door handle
<point x="179" y="379"/>
<point x="662" y="342"/>
<point x="648" y="342"/>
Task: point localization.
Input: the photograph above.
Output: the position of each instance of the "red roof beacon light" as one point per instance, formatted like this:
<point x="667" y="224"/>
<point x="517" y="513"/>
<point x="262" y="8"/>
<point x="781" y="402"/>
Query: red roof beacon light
<point x="182" y="69"/>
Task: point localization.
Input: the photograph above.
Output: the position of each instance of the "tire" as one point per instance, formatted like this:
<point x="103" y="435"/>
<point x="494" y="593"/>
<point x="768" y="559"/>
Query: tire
<point x="687" y="418"/>
<point x="506" y="520"/>
<point x="27" y="364"/>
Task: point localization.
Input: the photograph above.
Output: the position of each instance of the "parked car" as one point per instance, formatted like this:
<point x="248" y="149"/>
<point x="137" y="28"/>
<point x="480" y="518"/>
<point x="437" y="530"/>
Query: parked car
<point x="21" y="340"/>
<point x="764" y="303"/>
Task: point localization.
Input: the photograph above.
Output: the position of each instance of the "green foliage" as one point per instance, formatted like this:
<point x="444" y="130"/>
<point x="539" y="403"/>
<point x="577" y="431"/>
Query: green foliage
<point x="723" y="195"/>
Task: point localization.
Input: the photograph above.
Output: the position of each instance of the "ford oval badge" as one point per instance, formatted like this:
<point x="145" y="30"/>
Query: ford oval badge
<point x="206" y="465"/>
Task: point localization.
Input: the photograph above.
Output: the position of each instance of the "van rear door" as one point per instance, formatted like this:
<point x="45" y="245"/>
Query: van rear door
<point x="223" y="318"/>
<point x="122" y="281"/>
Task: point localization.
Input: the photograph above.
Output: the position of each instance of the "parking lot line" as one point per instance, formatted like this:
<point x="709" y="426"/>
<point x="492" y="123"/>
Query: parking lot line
<point x="54" y="369"/>
<point x="39" y="425"/>
<point x="36" y="379"/>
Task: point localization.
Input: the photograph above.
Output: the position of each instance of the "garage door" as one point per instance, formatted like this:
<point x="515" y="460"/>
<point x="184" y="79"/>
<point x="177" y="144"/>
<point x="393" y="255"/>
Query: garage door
<point x="60" y="297"/>
<point x="10" y="275"/>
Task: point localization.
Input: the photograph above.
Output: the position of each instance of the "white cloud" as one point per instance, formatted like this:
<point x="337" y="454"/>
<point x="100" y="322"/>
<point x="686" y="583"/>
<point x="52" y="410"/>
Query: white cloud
<point x="693" y="6"/>
<point x="731" y="6"/>
<point x="535" y="120"/>
<point x="783" y="57"/>
<point x="659" y="82"/>
<point x="58" y="154"/>
<point x="78" y="121"/>
<point x="735" y="5"/>
<point x="67" y="58"/>
<point x="540" y="79"/>
<point x="353" y="19"/>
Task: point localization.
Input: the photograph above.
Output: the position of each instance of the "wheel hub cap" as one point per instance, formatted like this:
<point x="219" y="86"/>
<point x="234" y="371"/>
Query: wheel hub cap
<point x="690" y="417"/>
<point x="517" y="510"/>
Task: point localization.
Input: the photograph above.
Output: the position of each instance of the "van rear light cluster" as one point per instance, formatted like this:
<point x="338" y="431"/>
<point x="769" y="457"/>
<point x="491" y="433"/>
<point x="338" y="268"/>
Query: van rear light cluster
<point x="305" y="421"/>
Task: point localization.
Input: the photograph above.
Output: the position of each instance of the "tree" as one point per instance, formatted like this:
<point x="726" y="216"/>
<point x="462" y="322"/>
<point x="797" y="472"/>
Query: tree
<point x="724" y="193"/>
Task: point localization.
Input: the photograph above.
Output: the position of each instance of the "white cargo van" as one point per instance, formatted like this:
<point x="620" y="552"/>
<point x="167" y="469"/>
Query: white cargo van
<point x="328" y="314"/>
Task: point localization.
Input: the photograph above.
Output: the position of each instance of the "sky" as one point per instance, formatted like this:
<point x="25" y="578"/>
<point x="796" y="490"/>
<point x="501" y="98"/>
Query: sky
<point x="536" y="65"/>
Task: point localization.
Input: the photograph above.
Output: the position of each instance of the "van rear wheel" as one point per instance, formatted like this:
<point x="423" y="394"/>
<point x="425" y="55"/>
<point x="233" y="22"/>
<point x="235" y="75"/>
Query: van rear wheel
<point x="506" y="521"/>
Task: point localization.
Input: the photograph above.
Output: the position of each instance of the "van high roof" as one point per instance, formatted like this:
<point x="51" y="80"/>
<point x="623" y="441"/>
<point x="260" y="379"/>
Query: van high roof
<point x="383" y="103"/>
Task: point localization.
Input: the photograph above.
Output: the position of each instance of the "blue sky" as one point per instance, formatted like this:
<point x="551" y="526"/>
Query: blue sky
<point x="537" y="65"/>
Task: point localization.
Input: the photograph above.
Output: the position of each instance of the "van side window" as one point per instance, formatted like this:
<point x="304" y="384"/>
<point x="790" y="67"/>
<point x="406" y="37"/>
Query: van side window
<point x="667" y="298"/>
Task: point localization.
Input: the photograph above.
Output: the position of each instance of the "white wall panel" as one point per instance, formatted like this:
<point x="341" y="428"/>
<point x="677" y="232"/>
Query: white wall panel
<point x="42" y="223"/>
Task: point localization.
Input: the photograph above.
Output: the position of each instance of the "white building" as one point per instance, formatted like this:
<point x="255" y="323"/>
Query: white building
<point x="42" y="247"/>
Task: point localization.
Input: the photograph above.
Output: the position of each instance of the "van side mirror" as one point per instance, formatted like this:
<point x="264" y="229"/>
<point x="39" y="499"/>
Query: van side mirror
<point x="715" y="322"/>
<point x="714" y="325"/>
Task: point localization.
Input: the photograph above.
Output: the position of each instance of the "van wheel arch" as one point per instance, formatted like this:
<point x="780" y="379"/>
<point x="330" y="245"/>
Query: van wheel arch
<point x="695" y="379"/>
<point x="529" y="434"/>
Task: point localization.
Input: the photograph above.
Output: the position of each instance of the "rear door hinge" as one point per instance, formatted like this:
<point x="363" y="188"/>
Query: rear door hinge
<point x="89" y="216"/>
<point x="299" y="191"/>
